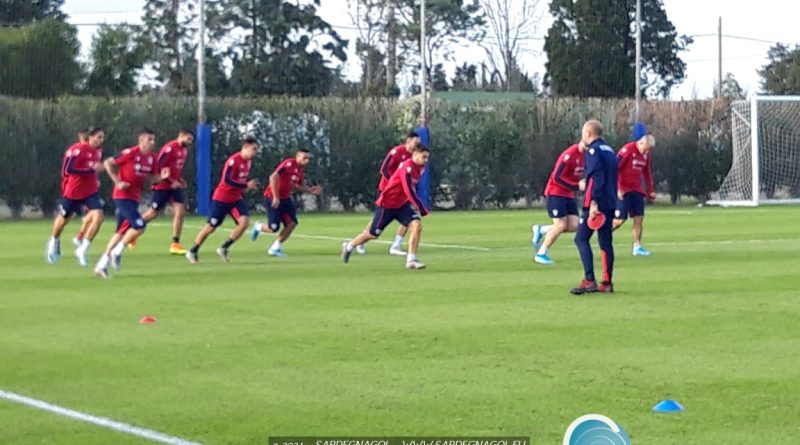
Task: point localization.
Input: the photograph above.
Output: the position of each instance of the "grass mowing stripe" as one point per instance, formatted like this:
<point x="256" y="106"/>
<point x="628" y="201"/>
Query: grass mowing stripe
<point x="480" y="343"/>
<point x="487" y="249"/>
<point x="121" y="427"/>
<point x="337" y="238"/>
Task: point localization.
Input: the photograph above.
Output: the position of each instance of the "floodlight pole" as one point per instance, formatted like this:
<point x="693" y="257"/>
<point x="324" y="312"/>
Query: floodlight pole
<point x="201" y="67"/>
<point x="638" y="59"/>
<point x="424" y="74"/>
<point x="203" y="135"/>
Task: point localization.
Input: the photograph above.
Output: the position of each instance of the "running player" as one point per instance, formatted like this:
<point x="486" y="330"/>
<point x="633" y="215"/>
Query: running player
<point x="170" y="190"/>
<point x="288" y="177"/>
<point x="398" y="201"/>
<point x="80" y="190"/>
<point x="391" y="161"/>
<point x="561" y="204"/>
<point x="129" y="170"/>
<point x="228" y="199"/>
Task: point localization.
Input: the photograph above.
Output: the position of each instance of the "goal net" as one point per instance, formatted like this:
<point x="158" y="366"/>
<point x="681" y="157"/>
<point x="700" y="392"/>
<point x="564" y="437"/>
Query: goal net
<point x="766" y="153"/>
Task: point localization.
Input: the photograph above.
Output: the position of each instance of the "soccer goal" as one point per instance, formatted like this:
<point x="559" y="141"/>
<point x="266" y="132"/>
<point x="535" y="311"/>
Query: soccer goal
<point x="766" y="153"/>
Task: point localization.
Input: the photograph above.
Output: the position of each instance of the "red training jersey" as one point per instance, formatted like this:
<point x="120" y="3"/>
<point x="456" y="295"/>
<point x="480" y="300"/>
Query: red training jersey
<point x="393" y="159"/>
<point x="290" y="176"/>
<point x="79" y="167"/>
<point x="134" y="168"/>
<point x="635" y="174"/>
<point x="566" y="174"/>
<point x="233" y="182"/>
<point x="402" y="188"/>
<point x="64" y="174"/>
<point x="173" y="157"/>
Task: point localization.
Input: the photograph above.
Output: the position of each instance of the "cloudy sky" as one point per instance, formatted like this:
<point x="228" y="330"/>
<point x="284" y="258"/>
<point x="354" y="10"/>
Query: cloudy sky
<point x="767" y="20"/>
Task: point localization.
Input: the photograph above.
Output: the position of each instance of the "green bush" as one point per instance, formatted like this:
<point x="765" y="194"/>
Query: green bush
<point x="484" y="155"/>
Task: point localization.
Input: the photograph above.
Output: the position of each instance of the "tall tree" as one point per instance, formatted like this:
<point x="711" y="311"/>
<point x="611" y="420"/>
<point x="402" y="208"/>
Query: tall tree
<point x="170" y="33"/>
<point x="439" y="81"/>
<point x="373" y="72"/>
<point x="391" y="48"/>
<point x="447" y="22"/>
<point x="369" y="17"/>
<point x="20" y="12"/>
<point x="116" y="59"/>
<point x="591" y="49"/>
<point x="39" y="60"/>
<point x="782" y="74"/>
<point x="466" y="78"/>
<point x="512" y="26"/>
<point x="731" y="89"/>
<point x="281" y="47"/>
<point x="392" y="28"/>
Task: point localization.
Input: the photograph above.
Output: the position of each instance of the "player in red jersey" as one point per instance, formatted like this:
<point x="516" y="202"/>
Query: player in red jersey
<point x="561" y="204"/>
<point x="635" y="183"/>
<point x="80" y="190"/>
<point x="289" y="176"/>
<point x="228" y="199"/>
<point x="129" y="170"/>
<point x="398" y="201"/>
<point x="391" y="161"/>
<point x="86" y="221"/>
<point x="170" y="190"/>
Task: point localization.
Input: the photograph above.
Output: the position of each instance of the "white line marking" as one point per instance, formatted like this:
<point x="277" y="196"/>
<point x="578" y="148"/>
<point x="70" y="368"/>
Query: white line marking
<point x="335" y="238"/>
<point x="712" y="242"/>
<point x="121" y="427"/>
<point x="435" y="245"/>
<point x="671" y="212"/>
<point x="495" y="249"/>
<point x="686" y="243"/>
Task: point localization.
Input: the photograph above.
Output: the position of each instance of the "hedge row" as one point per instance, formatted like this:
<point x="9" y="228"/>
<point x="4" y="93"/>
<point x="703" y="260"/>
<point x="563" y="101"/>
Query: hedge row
<point x="486" y="155"/>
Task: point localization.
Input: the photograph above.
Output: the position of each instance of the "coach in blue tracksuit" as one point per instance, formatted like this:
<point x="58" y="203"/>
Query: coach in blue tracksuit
<point x="600" y="183"/>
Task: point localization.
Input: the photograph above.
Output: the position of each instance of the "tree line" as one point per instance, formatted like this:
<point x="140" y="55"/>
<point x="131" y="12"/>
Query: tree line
<point x="281" y="47"/>
<point x="485" y="157"/>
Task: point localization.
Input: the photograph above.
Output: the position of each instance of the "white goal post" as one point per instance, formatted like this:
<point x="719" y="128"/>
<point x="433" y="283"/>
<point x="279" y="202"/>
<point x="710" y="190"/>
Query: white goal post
<point x="766" y="153"/>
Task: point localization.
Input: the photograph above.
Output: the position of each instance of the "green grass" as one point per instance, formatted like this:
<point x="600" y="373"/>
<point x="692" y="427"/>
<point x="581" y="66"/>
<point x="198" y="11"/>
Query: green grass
<point x="480" y="343"/>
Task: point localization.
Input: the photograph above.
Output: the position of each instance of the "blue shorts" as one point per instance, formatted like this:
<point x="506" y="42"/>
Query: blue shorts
<point x="632" y="204"/>
<point x="128" y="216"/>
<point x="383" y="217"/>
<point x="284" y="214"/>
<point x="162" y="197"/>
<point x="221" y="209"/>
<point x="67" y="207"/>
<point x="561" y="207"/>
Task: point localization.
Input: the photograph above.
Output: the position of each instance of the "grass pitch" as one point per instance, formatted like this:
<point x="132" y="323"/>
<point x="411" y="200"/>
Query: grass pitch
<point x="483" y="342"/>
